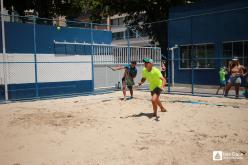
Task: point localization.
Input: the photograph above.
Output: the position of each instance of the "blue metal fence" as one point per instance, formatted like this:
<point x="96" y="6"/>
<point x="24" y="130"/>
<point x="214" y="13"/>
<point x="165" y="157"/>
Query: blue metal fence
<point x="34" y="67"/>
<point x="47" y="58"/>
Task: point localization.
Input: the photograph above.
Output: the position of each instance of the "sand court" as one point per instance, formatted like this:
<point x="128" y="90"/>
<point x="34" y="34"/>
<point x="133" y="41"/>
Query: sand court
<point x="102" y="129"/>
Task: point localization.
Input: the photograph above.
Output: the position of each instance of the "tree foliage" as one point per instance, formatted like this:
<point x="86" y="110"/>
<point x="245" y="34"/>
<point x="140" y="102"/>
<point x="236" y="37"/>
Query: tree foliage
<point x="143" y="15"/>
<point x="146" y="16"/>
<point x="41" y="8"/>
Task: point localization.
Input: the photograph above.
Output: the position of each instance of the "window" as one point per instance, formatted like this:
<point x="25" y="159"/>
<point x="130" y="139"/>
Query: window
<point x="227" y="50"/>
<point x="132" y="34"/>
<point x="118" y="35"/>
<point x="118" y="21"/>
<point x="114" y="22"/>
<point x="210" y="55"/>
<point x="185" y="54"/>
<point x="238" y="49"/>
<point x="121" y="21"/>
<point x="201" y="54"/>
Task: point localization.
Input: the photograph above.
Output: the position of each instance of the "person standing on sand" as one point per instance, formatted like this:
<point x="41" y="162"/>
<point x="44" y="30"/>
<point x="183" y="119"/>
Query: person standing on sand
<point x="156" y="84"/>
<point x="130" y="72"/>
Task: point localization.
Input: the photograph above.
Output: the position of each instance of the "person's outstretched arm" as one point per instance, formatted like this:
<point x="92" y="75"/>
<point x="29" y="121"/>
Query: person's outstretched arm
<point x="117" y="68"/>
<point x="142" y="81"/>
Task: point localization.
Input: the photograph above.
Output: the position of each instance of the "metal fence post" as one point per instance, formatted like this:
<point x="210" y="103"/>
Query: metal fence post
<point x="192" y="76"/>
<point x="172" y="68"/>
<point x="35" y="59"/>
<point x="6" y="92"/>
<point x="169" y="79"/>
<point x="92" y="59"/>
<point x="192" y="58"/>
<point x="128" y="44"/>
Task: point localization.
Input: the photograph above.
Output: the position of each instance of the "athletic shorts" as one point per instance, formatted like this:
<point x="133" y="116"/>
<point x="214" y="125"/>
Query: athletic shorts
<point x="234" y="80"/>
<point x="156" y="91"/>
<point x="130" y="87"/>
<point x="223" y="83"/>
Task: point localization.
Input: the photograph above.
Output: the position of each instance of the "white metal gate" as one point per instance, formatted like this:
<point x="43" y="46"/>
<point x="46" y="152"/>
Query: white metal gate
<point x="114" y="55"/>
<point x="104" y="55"/>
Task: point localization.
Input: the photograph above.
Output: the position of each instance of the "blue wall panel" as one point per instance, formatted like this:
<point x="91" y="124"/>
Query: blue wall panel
<point x="179" y="35"/>
<point x="189" y="25"/>
<point x="19" y="37"/>
<point x="27" y="91"/>
<point x="62" y="88"/>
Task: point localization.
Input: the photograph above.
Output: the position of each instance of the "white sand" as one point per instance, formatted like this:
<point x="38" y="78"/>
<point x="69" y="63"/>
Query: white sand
<point x="103" y="129"/>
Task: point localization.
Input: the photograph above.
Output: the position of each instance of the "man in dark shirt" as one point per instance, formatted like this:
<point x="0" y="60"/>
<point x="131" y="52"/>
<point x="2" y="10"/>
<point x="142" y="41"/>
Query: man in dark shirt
<point x="128" y="77"/>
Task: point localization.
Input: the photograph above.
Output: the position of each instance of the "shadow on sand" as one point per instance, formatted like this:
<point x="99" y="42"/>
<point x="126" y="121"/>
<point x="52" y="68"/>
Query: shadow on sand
<point x="148" y="115"/>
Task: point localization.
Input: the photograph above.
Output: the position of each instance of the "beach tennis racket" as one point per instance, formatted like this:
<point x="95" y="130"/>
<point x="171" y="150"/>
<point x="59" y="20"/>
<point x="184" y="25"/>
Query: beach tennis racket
<point x="111" y="68"/>
<point x="136" y="86"/>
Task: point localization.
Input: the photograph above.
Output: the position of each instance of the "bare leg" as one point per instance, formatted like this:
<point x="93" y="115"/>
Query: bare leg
<point x="228" y="87"/>
<point x="124" y="89"/>
<point x="131" y="93"/>
<point x="162" y="108"/>
<point x="218" y="91"/>
<point x="237" y="90"/>
<point x="224" y="89"/>
<point x="155" y="104"/>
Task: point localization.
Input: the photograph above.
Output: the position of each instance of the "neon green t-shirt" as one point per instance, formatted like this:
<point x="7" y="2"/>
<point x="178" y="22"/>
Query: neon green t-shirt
<point x="222" y="74"/>
<point x="153" y="77"/>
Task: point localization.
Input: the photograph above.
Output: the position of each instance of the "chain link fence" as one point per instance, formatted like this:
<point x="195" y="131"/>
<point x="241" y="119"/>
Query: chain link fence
<point x="201" y="42"/>
<point x="59" y="57"/>
<point x="53" y="58"/>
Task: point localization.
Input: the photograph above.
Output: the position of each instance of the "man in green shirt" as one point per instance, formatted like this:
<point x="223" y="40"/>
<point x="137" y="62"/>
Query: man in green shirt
<point x="156" y="83"/>
<point x="222" y="75"/>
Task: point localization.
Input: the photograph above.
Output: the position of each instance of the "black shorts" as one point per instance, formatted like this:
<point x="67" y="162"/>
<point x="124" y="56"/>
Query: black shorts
<point x="130" y="87"/>
<point x="156" y="91"/>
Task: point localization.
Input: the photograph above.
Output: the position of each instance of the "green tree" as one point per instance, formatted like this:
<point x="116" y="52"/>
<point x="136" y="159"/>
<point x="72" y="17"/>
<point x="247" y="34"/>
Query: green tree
<point x="146" y="16"/>
<point x="41" y="8"/>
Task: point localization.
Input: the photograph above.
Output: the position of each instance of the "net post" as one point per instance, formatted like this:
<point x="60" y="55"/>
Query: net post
<point x="92" y="53"/>
<point x="5" y="57"/>
<point x="35" y="59"/>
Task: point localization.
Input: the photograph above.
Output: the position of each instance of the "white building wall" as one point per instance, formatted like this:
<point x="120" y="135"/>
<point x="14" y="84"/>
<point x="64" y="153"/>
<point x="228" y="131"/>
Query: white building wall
<point x="50" y="68"/>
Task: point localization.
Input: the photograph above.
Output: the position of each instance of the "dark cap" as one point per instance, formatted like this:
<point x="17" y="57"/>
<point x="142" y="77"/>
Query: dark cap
<point x="133" y="62"/>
